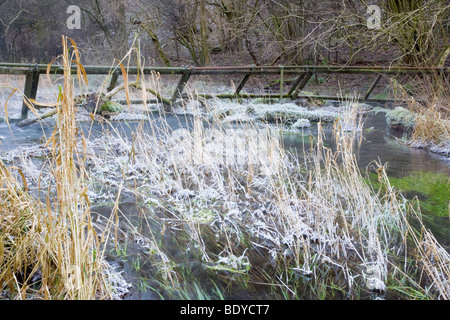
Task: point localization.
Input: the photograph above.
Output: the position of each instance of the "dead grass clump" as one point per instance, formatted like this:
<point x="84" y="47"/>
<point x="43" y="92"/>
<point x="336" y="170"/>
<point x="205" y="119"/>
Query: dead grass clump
<point x="431" y="127"/>
<point x="51" y="250"/>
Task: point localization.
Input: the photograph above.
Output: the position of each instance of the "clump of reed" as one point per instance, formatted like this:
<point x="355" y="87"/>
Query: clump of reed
<point x="431" y="128"/>
<point x="51" y="250"/>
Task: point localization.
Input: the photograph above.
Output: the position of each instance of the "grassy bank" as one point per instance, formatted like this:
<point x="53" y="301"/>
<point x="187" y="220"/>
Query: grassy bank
<point x="427" y="119"/>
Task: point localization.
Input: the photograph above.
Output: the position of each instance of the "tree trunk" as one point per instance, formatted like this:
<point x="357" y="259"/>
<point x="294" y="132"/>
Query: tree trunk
<point x="204" y="56"/>
<point x="3" y="45"/>
<point x="155" y="40"/>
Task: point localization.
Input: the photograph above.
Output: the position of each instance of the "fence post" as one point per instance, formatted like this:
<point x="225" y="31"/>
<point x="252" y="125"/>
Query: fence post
<point x="113" y="82"/>
<point x="302" y="83"/>
<point x="242" y="84"/>
<point x="180" y="86"/>
<point x="372" y="86"/>
<point x="281" y="81"/>
<point x="31" y="86"/>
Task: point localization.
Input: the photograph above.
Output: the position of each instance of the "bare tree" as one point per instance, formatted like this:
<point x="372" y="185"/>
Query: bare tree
<point x="413" y="32"/>
<point x="144" y="15"/>
<point x="108" y="25"/>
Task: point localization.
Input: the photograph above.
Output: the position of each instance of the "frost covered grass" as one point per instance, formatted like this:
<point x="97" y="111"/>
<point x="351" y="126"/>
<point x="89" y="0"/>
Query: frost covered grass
<point x="235" y="210"/>
<point x="254" y="110"/>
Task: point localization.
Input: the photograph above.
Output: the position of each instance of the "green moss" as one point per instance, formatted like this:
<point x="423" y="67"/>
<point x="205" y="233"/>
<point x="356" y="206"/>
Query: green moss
<point x="431" y="189"/>
<point x="381" y="95"/>
<point x="265" y="100"/>
<point x="203" y="216"/>
<point x="110" y="107"/>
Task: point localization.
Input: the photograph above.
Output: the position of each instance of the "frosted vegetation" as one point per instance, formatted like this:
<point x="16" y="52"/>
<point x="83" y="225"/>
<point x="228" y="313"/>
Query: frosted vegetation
<point x="257" y="111"/>
<point x="429" y="130"/>
<point x="222" y="208"/>
<point x="231" y="197"/>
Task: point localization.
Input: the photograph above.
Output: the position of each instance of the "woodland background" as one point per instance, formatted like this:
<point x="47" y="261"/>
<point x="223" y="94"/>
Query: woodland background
<point x="230" y="32"/>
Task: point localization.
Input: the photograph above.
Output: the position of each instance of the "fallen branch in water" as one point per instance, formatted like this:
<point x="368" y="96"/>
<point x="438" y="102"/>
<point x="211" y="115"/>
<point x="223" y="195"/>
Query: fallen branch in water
<point x="107" y="96"/>
<point x="137" y="86"/>
<point x="30" y="121"/>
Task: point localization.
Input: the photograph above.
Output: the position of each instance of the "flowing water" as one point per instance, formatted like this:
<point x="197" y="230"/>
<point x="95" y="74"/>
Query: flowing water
<point x="378" y="144"/>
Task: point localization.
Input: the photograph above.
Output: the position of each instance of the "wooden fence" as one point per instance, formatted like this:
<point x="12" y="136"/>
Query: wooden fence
<point x="302" y="75"/>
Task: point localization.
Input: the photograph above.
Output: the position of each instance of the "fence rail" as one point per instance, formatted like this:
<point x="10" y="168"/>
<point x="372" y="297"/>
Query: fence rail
<point x="303" y="75"/>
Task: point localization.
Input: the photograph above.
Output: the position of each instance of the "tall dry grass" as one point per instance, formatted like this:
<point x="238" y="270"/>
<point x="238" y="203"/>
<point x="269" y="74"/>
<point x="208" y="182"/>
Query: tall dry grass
<point x="51" y="250"/>
<point x="432" y="107"/>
